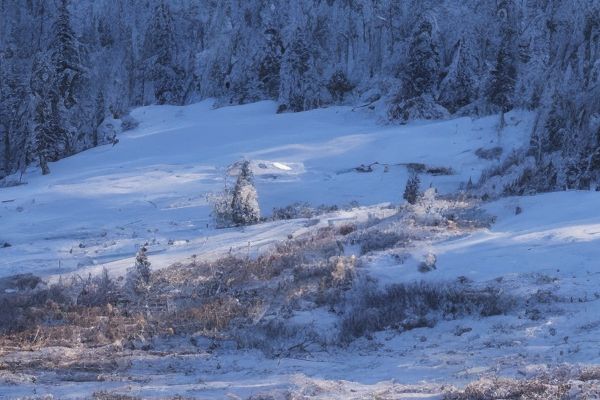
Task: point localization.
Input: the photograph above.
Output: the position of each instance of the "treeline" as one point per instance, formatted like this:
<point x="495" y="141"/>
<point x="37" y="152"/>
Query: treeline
<point x="65" y="66"/>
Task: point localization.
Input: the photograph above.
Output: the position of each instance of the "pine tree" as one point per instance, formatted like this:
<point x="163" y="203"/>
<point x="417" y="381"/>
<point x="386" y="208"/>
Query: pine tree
<point x="270" y="65"/>
<point x="66" y="60"/>
<point x="160" y="57"/>
<point x="423" y="66"/>
<point x="504" y="75"/>
<point x="300" y="87"/>
<point x="47" y="130"/>
<point x="142" y="265"/>
<point x="138" y="278"/>
<point x="411" y="191"/>
<point x="457" y="89"/>
<point x="244" y="206"/>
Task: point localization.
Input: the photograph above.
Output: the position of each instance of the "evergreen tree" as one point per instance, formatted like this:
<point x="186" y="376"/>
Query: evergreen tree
<point x="47" y="130"/>
<point x="47" y="127"/>
<point x="504" y="75"/>
<point x="160" y="57"/>
<point x="244" y="206"/>
<point x="411" y="190"/>
<point x="300" y="87"/>
<point x="339" y="85"/>
<point x="457" y="89"/>
<point x="422" y="70"/>
<point x="138" y="278"/>
<point x="66" y="60"/>
<point x="270" y="64"/>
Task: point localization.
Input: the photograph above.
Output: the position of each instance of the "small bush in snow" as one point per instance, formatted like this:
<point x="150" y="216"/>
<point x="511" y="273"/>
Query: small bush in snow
<point x="375" y="240"/>
<point x="293" y="211"/>
<point x="128" y="123"/>
<point x="413" y="305"/>
<point x="428" y="263"/>
<point x="417" y="108"/>
<point x="221" y="208"/>
<point x="98" y="291"/>
<point x="493" y="153"/>
<point x="428" y="211"/>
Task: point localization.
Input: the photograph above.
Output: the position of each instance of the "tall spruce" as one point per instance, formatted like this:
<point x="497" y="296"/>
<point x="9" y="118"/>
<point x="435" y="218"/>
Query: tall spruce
<point x="163" y="74"/>
<point x="65" y="56"/>
<point x="504" y="74"/>
<point x="422" y="69"/>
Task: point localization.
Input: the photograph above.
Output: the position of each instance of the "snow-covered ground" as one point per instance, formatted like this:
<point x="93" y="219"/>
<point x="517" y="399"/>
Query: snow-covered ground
<point x="96" y="207"/>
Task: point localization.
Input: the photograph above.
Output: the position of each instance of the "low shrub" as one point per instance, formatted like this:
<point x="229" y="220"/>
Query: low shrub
<point x="411" y="305"/>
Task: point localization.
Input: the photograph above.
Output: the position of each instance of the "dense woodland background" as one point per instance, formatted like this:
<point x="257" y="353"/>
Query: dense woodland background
<point x="67" y="65"/>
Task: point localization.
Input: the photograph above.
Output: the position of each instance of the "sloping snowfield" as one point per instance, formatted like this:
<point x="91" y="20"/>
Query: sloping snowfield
<point x="97" y="207"/>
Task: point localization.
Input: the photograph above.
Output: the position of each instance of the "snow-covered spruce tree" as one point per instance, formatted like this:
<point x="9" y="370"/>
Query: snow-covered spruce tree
<point x="161" y="72"/>
<point x="47" y="129"/>
<point x="416" y="98"/>
<point x="300" y="84"/>
<point x="270" y="64"/>
<point x="411" y="190"/>
<point x="458" y="88"/>
<point x="422" y="69"/>
<point x="66" y="60"/>
<point x="138" y="277"/>
<point x="244" y="205"/>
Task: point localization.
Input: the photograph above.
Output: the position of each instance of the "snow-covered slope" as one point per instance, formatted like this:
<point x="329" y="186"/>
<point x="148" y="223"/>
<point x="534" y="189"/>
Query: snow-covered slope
<point x="97" y="206"/>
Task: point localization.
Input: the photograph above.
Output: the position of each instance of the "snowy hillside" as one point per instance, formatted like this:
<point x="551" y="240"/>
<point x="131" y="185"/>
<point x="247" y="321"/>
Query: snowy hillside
<point x="152" y="186"/>
<point x="485" y="290"/>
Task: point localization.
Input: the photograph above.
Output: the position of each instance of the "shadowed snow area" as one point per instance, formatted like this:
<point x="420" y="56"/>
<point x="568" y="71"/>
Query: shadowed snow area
<point x="97" y="206"/>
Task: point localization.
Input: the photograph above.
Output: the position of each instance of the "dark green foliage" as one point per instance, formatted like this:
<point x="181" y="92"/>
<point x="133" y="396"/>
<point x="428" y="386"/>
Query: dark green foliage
<point x="411" y="190"/>
<point x="422" y="70"/>
<point x="159" y="61"/>
<point x="270" y="65"/>
<point x="504" y="74"/>
<point x="66" y="61"/>
<point x="339" y="85"/>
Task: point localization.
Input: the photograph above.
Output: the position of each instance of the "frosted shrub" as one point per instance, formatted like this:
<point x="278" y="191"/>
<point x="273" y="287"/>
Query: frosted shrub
<point x="428" y="210"/>
<point x="244" y="204"/>
<point x="417" y="108"/>
<point x="428" y="263"/>
<point x="221" y="208"/>
<point x="128" y="123"/>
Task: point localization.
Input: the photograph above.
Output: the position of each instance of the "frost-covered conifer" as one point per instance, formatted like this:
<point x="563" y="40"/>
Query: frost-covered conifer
<point x="244" y="205"/>
<point x="138" y="278"/>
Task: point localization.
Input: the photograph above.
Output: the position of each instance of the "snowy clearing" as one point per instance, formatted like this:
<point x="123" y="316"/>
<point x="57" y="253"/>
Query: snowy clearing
<point x="97" y="207"/>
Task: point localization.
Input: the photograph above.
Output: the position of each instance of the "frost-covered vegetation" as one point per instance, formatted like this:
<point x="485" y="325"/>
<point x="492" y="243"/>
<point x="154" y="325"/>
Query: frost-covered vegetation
<point x="88" y="62"/>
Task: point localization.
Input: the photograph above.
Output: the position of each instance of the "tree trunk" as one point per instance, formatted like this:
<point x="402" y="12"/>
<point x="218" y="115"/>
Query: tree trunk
<point x="44" y="165"/>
